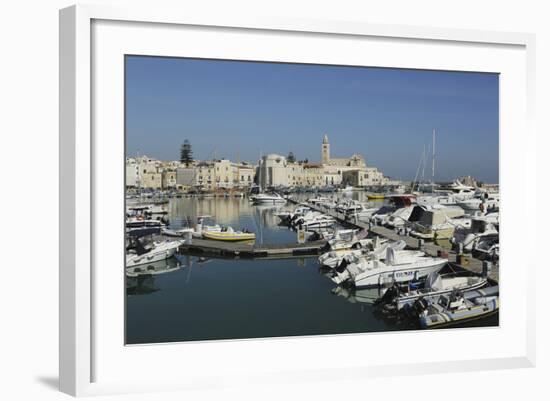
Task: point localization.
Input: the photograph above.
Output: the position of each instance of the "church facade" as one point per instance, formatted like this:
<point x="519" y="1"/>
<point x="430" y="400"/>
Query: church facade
<point x="275" y="170"/>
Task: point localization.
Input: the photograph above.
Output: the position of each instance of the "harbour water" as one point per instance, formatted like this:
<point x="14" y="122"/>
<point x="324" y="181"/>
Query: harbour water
<point x="200" y="298"/>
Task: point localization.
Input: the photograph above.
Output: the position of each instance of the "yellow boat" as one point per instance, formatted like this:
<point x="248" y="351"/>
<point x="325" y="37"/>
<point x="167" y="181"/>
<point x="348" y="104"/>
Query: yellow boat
<point x="375" y="196"/>
<point x="228" y="235"/>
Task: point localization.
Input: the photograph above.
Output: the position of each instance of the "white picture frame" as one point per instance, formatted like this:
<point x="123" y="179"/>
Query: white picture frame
<point x="82" y="344"/>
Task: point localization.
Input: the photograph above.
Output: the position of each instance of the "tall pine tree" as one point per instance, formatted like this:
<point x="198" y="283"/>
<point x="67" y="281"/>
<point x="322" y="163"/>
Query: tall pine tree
<point x="291" y="158"/>
<point x="186" y="154"/>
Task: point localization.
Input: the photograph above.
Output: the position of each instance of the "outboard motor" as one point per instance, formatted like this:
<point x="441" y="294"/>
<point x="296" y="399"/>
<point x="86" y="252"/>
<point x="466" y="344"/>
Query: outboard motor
<point x="342" y="266"/>
<point x="420" y="305"/>
<point x="389" y="296"/>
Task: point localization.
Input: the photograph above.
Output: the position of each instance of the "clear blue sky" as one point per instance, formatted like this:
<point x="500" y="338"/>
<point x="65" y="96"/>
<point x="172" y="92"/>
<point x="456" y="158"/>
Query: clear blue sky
<point x="239" y="110"/>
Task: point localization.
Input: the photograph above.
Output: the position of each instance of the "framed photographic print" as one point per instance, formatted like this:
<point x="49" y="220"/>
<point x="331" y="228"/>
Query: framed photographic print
<point x="273" y="192"/>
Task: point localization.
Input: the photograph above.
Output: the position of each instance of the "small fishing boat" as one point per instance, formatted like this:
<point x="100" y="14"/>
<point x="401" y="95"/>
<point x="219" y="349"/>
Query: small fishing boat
<point x="457" y="307"/>
<point x="436" y="284"/>
<point x="375" y="196"/>
<point x="228" y="234"/>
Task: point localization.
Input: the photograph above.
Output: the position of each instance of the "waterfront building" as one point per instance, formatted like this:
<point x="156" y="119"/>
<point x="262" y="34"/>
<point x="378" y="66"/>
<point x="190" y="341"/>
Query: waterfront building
<point x="169" y="179"/>
<point x="274" y="170"/>
<point x="185" y="178"/>
<point x="151" y="180"/>
<point x="215" y="175"/>
<point x="142" y="171"/>
<point x="132" y="173"/>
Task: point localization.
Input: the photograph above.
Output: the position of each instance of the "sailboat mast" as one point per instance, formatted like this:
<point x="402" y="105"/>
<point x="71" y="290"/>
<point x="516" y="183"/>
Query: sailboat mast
<point x="433" y="157"/>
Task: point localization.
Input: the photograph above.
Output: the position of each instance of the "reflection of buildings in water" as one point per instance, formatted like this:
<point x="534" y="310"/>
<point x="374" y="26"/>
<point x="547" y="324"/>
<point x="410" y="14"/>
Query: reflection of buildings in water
<point x="267" y="214"/>
<point x="301" y="262"/>
<point x="224" y="211"/>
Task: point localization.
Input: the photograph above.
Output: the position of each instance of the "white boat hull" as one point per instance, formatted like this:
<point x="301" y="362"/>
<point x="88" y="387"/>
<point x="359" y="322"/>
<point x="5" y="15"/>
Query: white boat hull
<point x="397" y="274"/>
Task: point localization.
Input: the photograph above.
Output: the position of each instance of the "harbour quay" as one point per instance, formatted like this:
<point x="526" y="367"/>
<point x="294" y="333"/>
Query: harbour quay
<point x="377" y="253"/>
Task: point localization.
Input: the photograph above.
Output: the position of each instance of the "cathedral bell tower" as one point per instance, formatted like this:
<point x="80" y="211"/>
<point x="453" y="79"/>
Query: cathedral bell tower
<point x="325" y="150"/>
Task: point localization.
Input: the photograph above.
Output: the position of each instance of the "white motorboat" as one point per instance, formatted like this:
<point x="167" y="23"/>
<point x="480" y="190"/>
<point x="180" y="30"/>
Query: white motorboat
<point x="153" y="252"/>
<point x="146" y="209"/>
<point x="182" y="232"/>
<point x="481" y="226"/>
<point x="348" y="238"/>
<point x="154" y="268"/>
<point x="348" y="189"/>
<point x="458" y="192"/>
<point x="140" y="222"/>
<point x="398" y="266"/>
<point x="289" y="216"/>
<point x="436" y="284"/>
<point x="396" y="213"/>
<point x="318" y="200"/>
<point x="486" y="202"/>
<point x="487" y="248"/>
<point x="459" y="306"/>
<point x="272" y="198"/>
<point x="376" y="247"/>
<point x="314" y="220"/>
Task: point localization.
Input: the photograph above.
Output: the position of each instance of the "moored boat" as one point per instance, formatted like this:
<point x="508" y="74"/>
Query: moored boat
<point x="140" y="254"/>
<point x="228" y="234"/>
<point x="398" y="266"/>
<point x="436" y="284"/>
<point x="457" y="307"/>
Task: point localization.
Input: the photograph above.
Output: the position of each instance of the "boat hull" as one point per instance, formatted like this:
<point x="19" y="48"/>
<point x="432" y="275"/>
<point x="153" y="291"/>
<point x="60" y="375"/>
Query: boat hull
<point x="229" y="237"/>
<point x="448" y="317"/>
<point x="149" y="258"/>
<point x="408" y="301"/>
<point x="395" y="274"/>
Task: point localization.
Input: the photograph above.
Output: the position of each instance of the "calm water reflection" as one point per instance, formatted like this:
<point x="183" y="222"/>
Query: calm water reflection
<point x="206" y="299"/>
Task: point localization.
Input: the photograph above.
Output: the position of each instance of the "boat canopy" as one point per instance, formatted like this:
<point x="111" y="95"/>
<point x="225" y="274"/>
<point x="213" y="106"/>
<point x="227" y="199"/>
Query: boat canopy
<point x="434" y="282"/>
<point x="402" y="200"/>
<point x="429" y="216"/>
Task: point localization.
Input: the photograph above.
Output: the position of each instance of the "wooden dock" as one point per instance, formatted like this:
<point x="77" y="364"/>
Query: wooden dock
<point x="466" y="262"/>
<point x="243" y="250"/>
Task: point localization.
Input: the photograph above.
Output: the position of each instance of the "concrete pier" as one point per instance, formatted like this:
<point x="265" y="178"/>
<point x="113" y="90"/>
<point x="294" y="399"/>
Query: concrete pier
<point x="243" y="250"/>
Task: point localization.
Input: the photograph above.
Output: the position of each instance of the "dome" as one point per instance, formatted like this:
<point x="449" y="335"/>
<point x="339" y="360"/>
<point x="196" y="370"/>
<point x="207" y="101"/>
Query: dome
<point x="325" y="139"/>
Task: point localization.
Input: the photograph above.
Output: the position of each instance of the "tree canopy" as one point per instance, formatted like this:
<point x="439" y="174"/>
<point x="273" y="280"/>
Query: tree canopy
<point x="186" y="153"/>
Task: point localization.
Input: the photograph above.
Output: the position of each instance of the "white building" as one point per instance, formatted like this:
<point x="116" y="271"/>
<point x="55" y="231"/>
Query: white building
<point x="275" y="170"/>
